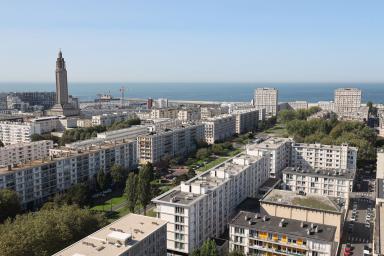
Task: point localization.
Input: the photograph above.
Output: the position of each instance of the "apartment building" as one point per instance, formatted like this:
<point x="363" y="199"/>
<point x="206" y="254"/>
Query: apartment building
<point x="246" y="120"/>
<point x="266" y="98"/>
<point x="219" y="128"/>
<point x="131" y="235"/>
<point x="127" y="133"/>
<point x="44" y="99"/>
<point x="201" y="207"/>
<point x="187" y="115"/>
<point x="48" y="123"/>
<point x="327" y="105"/>
<point x="326" y="182"/>
<point x="18" y="132"/>
<point x="172" y="142"/>
<point x="278" y="151"/>
<point x="109" y="119"/>
<point x="256" y="234"/>
<point x="321" y="156"/>
<point x="24" y="152"/>
<point x="208" y="112"/>
<point x="347" y="100"/>
<point x="164" y="113"/>
<point x="296" y="105"/>
<point x="312" y="208"/>
<point x="37" y="181"/>
<point x="380" y="164"/>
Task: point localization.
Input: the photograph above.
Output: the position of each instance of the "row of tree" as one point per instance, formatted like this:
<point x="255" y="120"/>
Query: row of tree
<point x="209" y="249"/>
<point x="287" y="115"/>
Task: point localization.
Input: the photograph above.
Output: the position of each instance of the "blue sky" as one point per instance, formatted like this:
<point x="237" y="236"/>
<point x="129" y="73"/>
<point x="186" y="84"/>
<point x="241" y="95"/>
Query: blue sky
<point x="195" y="40"/>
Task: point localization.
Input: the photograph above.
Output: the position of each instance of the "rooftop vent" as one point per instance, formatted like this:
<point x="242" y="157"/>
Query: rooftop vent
<point x="265" y="218"/>
<point x="257" y="216"/>
<point x="302" y="224"/>
<point x="309" y="232"/>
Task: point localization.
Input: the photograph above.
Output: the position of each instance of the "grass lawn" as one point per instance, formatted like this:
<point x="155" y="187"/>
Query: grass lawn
<point x="106" y="206"/>
<point x="218" y="161"/>
<point x="278" y="130"/>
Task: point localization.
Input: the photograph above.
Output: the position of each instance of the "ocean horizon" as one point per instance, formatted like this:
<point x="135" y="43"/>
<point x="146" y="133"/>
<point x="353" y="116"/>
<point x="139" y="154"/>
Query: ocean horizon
<point x="311" y="92"/>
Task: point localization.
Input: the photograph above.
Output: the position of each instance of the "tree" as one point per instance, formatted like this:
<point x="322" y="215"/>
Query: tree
<point x="131" y="191"/>
<point x="217" y="149"/>
<point x="144" y="185"/>
<point x="202" y="153"/>
<point x="47" y="231"/>
<point x="101" y="180"/>
<point x="77" y="194"/>
<point x="9" y="204"/>
<point x="207" y="249"/>
<point x="1" y="144"/>
<point x="118" y="175"/>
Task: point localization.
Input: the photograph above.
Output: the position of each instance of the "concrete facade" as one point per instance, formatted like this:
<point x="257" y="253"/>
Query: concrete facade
<point x="219" y="128"/>
<point x="266" y="98"/>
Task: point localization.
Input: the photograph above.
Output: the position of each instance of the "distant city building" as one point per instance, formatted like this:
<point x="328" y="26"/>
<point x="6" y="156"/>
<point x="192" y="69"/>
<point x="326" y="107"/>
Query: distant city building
<point x="3" y="101"/>
<point x="326" y="182"/>
<point x="319" y="156"/>
<point x="266" y="98"/>
<point x="44" y="99"/>
<point x="246" y="120"/>
<point x="109" y="119"/>
<point x="201" y="207"/>
<point x="256" y="234"/>
<point x="327" y="105"/>
<point x="22" y="153"/>
<point x="164" y="113"/>
<point x="14" y="102"/>
<point x="347" y="100"/>
<point x="380" y="164"/>
<point x="157" y="145"/>
<point x="63" y="105"/>
<point x="17" y="132"/>
<point x="277" y="150"/>
<point x="149" y="103"/>
<point x="190" y="114"/>
<point x="161" y="103"/>
<point x="219" y="128"/>
<point x="39" y="180"/>
<point x="208" y="112"/>
<point x="131" y="235"/>
<point x="296" y="105"/>
<point x="84" y="122"/>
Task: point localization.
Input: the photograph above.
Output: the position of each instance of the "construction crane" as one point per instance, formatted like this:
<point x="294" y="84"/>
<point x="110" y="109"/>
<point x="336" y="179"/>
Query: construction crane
<point x="122" y="91"/>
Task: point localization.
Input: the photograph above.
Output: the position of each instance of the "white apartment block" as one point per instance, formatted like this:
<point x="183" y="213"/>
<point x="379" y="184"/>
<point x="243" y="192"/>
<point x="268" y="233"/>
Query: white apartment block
<point x="255" y="234"/>
<point x="266" y="98"/>
<point x="187" y="115"/>
<point x="246" y="120"/>
<point x="131" y="235"/>
<point x="201" y="207"/>
<point x="347" y="100"/>
<point x="296" y="105"/>
<point x="109" y="119"/>
<point x="164" y="113"/>
<point x="178" y="141"/>
<point x="37" y="181"/>
<point x="277" y="150"/>
<point x="24" y="152"/>
<point x="17" y="132"/>
<point x="327" y="105"/>
<point x="325" y="182"/>
<point x="380" y="164"/>
<point x="48" y="123"/>
<point x="219" y="128"/>
<point x="208" y="112"/>
<point x="319" y="156"/>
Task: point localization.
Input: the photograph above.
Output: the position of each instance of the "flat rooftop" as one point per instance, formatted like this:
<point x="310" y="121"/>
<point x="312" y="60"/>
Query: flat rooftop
<point x="309" y="201"/>
<point x="295" y="228"/>
<point x="335" y="173"/>
<point x="318" y="145"/>
<point x="132" y="227"/>
<point x="208" y="180"/>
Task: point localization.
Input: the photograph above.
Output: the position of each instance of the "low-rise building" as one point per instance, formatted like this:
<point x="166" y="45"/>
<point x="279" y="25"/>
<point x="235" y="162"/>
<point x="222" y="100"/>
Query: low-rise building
<point x="109" y="119"/>
<point x="24" y="152"/>
<point x="201" y="207"/>
<point x="208" y="112"/>
<point x="131" y="235"/>
<point x="296" y="105"/>
<point x="37" y="181"/>
<point x="187" y="115"/>
<point x="18" y="132"/>
<point x="256" y="234"/>
<point x="321" y="156"/>
<point x="219" y="128"/>
<point x="246" y="120"/>
<point x="164" y="113"/>
<point x="326" y="182"/>
<point x="308" y="208"/>
<point x="278" y="151"/>
<point x="155" y="146"/>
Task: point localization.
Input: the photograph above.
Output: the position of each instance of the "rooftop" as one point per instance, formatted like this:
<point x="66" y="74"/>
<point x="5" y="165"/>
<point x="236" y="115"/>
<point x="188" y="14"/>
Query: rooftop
<point x="309" y="201"/>
<point x="290" y="227"/>
<point x="116" y="238"/>
<point x="195" y="188"/>
<point x="336" y="173"/>
<point x="271" y="143"/>
<point x="318" y="145"/>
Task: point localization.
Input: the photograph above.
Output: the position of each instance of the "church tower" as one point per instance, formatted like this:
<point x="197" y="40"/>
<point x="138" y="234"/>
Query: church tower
<point x="61" y="81"/>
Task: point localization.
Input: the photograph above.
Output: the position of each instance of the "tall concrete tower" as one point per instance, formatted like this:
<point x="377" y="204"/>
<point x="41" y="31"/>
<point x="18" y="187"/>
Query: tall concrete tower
<point x="65" y="105"/>
<point x="61" y="81"/>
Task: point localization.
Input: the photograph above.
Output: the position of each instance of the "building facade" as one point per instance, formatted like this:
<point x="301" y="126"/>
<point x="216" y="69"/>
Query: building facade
<point x="131" y="235"/>
<point x="347" y="100"/>
<point x="109" y="119"/>
<point x="326" y="182"/>
<point x="164" y="113"/>
<point x="219" y="128"/>
<point x="24" y="152"/>
<point x="37" y="181"/>
<point x="17" y="132"/>
<point x="201" y="207"/>
<point x="256" y="234"/>
<point x="266" y="98"/>
<point x="277" y="150"/>
<point x="246" y="120"/>
<point x="155" y="146"/>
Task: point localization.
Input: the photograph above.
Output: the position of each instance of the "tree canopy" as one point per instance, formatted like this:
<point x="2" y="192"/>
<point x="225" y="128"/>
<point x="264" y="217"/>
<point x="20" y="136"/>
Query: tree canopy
<point x="9" y="204"/>
<point x="131" y="191"/>
<point x="207" y="249"/>
<point x="144" y="185"/>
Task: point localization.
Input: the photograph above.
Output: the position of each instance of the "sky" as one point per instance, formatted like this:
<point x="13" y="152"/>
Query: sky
<point x="193" y="41"/>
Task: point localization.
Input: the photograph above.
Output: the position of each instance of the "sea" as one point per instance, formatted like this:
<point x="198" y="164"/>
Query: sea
<point x="228" y="92"/>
